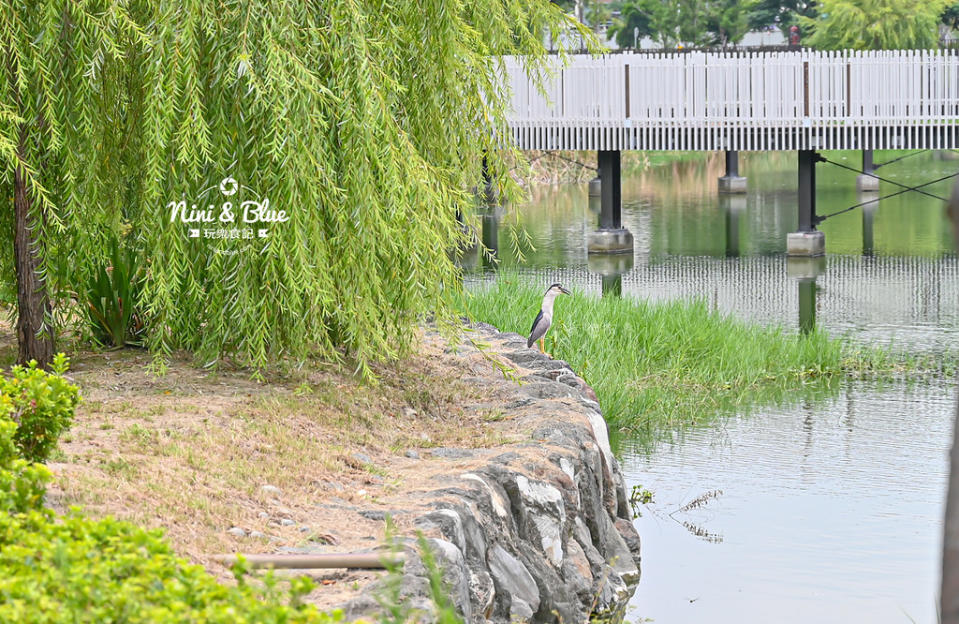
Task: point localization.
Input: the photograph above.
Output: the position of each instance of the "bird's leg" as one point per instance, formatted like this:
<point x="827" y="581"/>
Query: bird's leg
<point x="542" y="347"/>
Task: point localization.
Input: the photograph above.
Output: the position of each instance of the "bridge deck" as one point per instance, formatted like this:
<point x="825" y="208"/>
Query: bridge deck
<point x="898" y="99"/>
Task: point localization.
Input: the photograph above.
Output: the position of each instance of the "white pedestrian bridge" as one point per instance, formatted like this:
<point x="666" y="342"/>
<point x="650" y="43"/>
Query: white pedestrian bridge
<point x="748" y="101"/>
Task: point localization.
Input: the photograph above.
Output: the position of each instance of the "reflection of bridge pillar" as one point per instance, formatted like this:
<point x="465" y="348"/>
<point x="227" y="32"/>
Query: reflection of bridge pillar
<point x="806" y="270"/>
<point x="491" y="218"/>
<point x="611" y="270"/>
<point x="732" y="206"/>
<point x="807" y="241"/>
<point x="595" y="204"/>
<point x="868" y="217"/>
<point x="611" y="237"/>
<point x="864" y="181"/>
<point x="489" y="191"/>
<point x="594" y="186"/>
<point x="732" y="182"/>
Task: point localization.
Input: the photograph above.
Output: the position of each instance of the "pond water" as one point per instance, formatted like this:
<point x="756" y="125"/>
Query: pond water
<point x="825" y="509"/>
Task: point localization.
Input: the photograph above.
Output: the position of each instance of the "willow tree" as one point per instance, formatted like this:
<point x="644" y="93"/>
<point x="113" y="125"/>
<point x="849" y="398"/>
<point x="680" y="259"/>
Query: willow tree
<point x="363" y="121"/>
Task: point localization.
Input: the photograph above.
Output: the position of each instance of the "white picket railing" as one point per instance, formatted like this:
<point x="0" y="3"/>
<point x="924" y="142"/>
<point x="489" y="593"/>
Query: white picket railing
<point x="892" y="99"/>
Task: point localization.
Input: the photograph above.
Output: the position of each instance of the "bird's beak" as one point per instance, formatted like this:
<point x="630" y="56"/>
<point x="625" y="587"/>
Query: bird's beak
<point x="565" y="292"/>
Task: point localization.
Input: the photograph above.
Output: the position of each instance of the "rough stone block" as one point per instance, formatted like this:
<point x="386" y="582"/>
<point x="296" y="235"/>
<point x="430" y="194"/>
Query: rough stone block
<point x="732" y="184"/>
<point x="866" y="183"/>
<point x="805" y="244"/>
<point x="609" y="241"/>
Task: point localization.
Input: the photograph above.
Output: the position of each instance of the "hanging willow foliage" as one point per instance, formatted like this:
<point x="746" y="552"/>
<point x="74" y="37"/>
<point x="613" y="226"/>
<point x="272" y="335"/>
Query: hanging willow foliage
<point x="363" y="120"/>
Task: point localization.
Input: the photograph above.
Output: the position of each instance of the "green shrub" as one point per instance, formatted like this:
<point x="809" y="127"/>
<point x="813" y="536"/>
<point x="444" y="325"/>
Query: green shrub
<point x="80" y="570"/>
<point x="22" y="483"/>
<point x="41" y="404"/>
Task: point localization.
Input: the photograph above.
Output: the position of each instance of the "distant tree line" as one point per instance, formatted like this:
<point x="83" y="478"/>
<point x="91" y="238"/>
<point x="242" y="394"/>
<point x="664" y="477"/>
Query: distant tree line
<point x="823" y="24"/>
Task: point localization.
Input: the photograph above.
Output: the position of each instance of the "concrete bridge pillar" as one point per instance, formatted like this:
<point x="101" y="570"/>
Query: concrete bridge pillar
<point x="611" y="237"/>
<point x="807" y="241"/>
<point x="732" y="182"/>
<point x="864" y="181"/>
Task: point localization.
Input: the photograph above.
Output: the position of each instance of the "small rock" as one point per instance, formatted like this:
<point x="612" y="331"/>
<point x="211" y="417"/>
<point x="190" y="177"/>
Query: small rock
<point x="372" y="514"/>
<point x="412" y="454"/>
<point x="258" y="534"/>
<point x="363" y="458"/>
<point x="409" y="412"/>
<point x="304" y="529"/>
<point x="286" y="522"/>
<point x="518" y="403"/>
<point x="263" y="515"/>
<point x="451" y="453"/>
<point x="270" y="490"/>
<point x="236" y="531"/>
<point x="506" y="458"/>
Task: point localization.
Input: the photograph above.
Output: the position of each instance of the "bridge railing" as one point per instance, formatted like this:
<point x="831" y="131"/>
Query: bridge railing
<point x="843" y="99"/>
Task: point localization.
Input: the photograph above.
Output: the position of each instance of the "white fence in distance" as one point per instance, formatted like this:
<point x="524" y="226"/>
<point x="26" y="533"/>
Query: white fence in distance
<point x="890" y="99"/>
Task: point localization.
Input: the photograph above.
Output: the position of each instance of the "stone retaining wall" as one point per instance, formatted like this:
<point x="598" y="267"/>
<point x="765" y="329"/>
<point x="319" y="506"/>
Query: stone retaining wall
<point x="540" y="530"/>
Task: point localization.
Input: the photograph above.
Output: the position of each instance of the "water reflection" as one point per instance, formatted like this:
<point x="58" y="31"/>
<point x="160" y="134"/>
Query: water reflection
<point x="491" y="217"/>
<point x="732" y="207"/>
<point x="610" y="268"/>
<point x="868" y="222"/>
<point x="807" y="304"/>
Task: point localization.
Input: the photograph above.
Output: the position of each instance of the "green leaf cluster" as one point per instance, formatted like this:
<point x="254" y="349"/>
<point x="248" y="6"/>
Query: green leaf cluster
<point x="780" y="13"/>
<point x="683" y="22"/>
<point x="111" y="295"/>
<point x="41" y="406"/>
<point x="874" y="24"/>
<point x="22" y="483"/>
<point x="74" y="569"/>
<point x="364" y="120"/>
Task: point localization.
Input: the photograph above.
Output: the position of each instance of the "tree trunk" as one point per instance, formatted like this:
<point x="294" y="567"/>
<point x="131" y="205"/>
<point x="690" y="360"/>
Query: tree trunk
<point x="34" y="333"/>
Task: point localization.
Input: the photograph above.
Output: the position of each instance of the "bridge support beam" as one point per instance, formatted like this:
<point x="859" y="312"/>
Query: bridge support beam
<point x="864" y="181"/>
<point x="611" y="237"/>
<point x="807" y="241"/>
<point x="732" y="182"/>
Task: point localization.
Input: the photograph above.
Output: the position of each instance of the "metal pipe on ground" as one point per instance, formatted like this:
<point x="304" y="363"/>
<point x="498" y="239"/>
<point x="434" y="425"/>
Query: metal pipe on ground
<point x="327" y="560"/>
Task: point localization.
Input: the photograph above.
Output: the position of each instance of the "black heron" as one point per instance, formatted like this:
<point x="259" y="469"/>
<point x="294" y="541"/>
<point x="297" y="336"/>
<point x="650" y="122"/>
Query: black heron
<point x="545" y="316"/>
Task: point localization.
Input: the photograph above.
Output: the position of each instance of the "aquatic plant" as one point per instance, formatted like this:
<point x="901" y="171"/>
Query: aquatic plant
<point x="660" y="365"/>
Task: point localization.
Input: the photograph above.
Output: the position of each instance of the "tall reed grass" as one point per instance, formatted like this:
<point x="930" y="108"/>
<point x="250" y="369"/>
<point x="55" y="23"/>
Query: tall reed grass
<point x="657" y="365"/>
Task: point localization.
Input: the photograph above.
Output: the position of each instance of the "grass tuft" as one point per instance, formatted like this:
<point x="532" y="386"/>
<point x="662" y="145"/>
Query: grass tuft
<point x="661" y="365"/>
